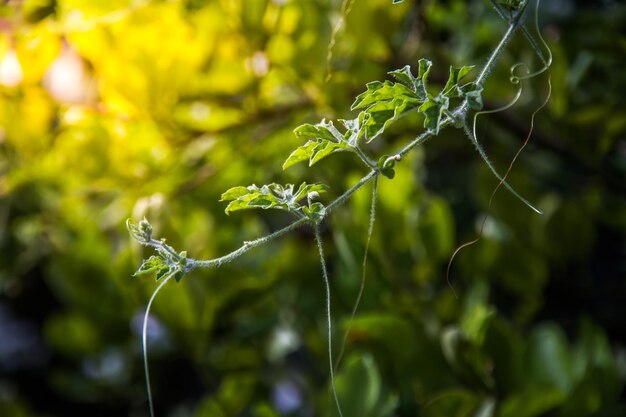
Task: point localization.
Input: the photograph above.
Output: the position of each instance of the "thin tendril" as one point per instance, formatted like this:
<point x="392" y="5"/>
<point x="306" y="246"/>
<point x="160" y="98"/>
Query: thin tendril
<point x="346" y="8"/>
<point x="474" y="137"/>
<point x="544" y="44"/>
<point x="370" y="230"/>
<point x="318" y="239"/>
<point x="502" y="182"/>
<point x="144" y="341"/>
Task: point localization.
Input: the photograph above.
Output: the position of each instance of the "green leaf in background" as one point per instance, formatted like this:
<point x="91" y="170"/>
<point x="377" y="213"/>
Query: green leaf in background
<point x="548" y="360"/>
<point x="360" y="391"/>
<point x="536" y="400"/>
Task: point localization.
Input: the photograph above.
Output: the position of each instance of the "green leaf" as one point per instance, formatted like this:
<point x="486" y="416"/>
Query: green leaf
<point x="451" y="88"/>
<point x="404" y="75"/>
<point x="234" y="193"/>
<point x="153" y="264"/>
<point x="305" y="189"/>
<point x="322" y="130"/>
<point x="386" y="91"/>
<point x="473" y="93"/>
<point x="433" y="110"/>
<point x="325" y="148"/>
<point x="315" y="212"/>
<point x="269" y="196"/>
<point x="314" y="151"/>
<point x="385" y="165"/>
<point x="354" y="129"/>
<point x="379" y="115"/>
<point x="417" y="85"/>
<point x="361" y="391"/>
<point x="424" y="66"/>
<point x="141" y="232"/>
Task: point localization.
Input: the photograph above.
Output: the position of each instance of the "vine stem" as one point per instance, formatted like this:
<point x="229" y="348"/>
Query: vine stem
<point x="190" y="264"/>
<point x="318" y="239"/>
<point x="144" y="341"/>
<point x="515" y="23"/>
<point x="461" y="110"/>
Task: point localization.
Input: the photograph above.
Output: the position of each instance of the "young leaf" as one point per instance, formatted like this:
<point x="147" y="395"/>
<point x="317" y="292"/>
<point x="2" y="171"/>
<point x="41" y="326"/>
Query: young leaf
<point x="154" y="264"/>
<point x="452" y="86"/>
<point x="434" y="110"/>
<point x="385" y="165"/>
<point x="473" y="93"/>
<point x="269" y="196"/>
<point x="353" y="128"/>
<point x="315" y="212"/>
<point x="422" y="78"/>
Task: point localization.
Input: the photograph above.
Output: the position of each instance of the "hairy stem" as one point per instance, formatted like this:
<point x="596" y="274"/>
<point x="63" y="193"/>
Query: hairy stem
<point x="318" y="239"/>
<point x="506" y="38"/>
<point x="531" y="39"/>
<point x="370" y="230"/>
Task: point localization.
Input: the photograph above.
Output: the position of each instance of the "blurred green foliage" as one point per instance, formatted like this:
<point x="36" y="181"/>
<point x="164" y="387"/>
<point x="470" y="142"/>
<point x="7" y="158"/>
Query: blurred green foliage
<point x="154" y="108"/>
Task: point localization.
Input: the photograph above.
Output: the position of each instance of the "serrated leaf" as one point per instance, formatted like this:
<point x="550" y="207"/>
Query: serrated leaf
<point x="433" y="110"/>
<point x="451" y="88"/>
<point x="381" y="114"/>
<point x="386" y="91"/>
